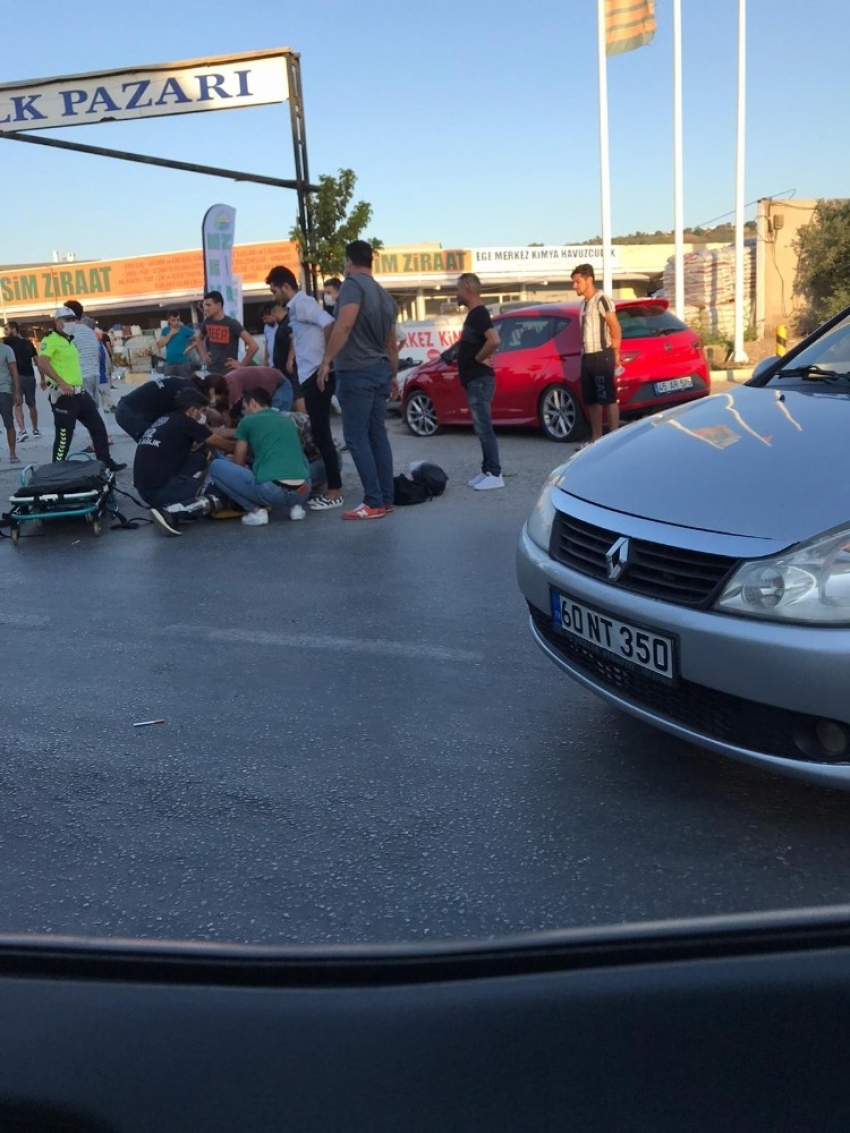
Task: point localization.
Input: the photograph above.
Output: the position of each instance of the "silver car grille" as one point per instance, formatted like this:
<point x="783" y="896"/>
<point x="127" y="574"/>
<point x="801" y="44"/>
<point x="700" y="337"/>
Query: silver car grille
<point x="671" y="574"/>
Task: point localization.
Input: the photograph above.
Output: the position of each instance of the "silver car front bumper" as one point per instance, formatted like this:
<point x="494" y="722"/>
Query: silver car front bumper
<point x="750" y="689"/>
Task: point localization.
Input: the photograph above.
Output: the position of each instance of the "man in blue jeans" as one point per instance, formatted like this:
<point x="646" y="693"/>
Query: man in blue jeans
<point x="279" y="476"/>
<point x="364" y="350"/>
<point x="479" y="340"/>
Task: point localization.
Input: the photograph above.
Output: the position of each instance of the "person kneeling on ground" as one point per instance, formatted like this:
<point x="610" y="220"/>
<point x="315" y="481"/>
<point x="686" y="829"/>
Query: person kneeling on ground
<point x="141" y="407"/>
<point x="259" y="377"/>
<point x="171" y="461"/>
<point x="279" y="477"/>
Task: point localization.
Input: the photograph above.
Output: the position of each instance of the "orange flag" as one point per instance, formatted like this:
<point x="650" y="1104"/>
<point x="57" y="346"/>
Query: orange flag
<point x="629" y="24"/>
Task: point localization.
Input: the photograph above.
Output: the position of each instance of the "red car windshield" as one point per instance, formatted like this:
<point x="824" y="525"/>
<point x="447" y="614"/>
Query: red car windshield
<point x="648" y="322"/>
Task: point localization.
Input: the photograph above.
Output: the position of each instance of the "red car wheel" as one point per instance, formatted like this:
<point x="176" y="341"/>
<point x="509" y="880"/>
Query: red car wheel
<point x="560" y="415"/>
<point x="419" y="414"/>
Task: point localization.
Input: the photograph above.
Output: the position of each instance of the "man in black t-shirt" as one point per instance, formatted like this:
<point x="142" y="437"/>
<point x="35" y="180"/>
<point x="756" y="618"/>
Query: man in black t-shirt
<point x="137" y="410"/>
<point x="171" y="459"/>
<point x="283" y="357"/>
<point x="24" y="352"/>
<point x="478" y="341"/>
<point x="217" y="341"/>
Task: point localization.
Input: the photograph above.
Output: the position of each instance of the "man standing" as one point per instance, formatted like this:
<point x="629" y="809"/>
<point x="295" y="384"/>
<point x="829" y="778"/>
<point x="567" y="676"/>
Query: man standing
<point x="217" y="341"/>
<point x="311" y="328"/>
<point x="331" y="293"/>
<point x="269" y="330"/>
<point x="86" y="342"/>
<point x="600" y="351"/>
<point x="364" y="349"/>
<point x="174" y="340"/>
<point x="10" y="396"/>
<point x="24" y="352"/>
<point x="283" y="356"/>
<point x="479" y="340"/>
<point x="59" y="364"/>
<point x="279" y="476"/>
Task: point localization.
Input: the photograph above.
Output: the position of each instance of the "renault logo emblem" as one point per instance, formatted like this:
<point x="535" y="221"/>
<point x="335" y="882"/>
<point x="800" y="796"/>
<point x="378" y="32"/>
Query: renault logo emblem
<point x="617" y="559"/>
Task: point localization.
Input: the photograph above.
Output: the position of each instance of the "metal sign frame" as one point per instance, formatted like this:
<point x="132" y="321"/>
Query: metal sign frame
<point x="301" y="183"/>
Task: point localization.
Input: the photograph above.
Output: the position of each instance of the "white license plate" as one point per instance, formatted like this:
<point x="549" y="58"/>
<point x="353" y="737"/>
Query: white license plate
<point x="641" y="647"/>
<point x="674" y="384"/>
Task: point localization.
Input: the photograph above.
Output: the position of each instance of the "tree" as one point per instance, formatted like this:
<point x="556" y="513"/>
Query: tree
<point x="823" y="265"/>
<point x="722" y="234"/>
<point x="335" y="223"/>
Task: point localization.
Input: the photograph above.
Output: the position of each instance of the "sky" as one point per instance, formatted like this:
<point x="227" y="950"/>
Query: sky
<point x="467" y="125"/>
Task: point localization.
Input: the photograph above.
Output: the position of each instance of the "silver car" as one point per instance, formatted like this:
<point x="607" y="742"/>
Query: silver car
<point x="694" y="568"/>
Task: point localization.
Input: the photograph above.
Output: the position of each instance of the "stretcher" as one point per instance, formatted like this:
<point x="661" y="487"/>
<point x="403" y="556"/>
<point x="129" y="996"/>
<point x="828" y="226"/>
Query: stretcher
<point x="79" y="487"/>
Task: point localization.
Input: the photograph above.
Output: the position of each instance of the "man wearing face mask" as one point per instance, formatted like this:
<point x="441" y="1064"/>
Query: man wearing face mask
<point x="61" y="372"/>
<point x="331" y="293"/>
<point x="171" y="460"/>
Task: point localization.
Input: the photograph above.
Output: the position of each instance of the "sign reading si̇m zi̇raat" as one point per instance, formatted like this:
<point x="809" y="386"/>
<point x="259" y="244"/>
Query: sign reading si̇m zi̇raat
<point x="224" y="82"/>
<point x="55" y="285"/>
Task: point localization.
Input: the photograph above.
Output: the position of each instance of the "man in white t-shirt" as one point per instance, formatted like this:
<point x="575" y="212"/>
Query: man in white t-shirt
<point x="310" y="331"/>
<point x="600" y="351"/>
<point x="87" y="345"/>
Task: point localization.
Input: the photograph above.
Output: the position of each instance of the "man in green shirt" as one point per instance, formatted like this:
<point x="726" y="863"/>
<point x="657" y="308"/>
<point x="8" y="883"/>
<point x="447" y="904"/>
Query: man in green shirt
<point x="59" y="365"/>
<point x="279" y="477"/>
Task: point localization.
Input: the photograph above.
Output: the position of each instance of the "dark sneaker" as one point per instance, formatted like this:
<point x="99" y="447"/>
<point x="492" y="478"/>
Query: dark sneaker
<point x="115" y="466"/>
<point x="166" y="523"/>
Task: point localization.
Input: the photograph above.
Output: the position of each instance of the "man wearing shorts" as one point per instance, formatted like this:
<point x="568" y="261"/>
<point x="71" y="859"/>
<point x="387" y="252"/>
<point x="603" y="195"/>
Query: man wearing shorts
<point x="600" y="355"/>
<point x="24" y="352"/>
<point x="10" y="396"/>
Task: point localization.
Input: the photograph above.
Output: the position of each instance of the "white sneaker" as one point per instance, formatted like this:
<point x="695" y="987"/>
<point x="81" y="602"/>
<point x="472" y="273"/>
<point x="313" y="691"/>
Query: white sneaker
<point x="22" y="435"/>
<point x="476" y="480"/>
<point x="489" y="481"/>
<point x="256" y="518"/>
<point x="297" y="512"/>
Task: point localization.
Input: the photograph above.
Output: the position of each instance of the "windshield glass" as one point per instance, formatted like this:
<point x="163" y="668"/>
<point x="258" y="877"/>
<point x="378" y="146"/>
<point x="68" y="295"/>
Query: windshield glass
<point x="829" y="353"/>
<point x="648" y="322"/>
<point x="277" y="682"/>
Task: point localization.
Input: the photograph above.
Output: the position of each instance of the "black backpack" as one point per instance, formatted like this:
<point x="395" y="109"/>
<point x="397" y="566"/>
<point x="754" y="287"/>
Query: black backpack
<point x="429" y="480"/>
<point x="431" y="475"/>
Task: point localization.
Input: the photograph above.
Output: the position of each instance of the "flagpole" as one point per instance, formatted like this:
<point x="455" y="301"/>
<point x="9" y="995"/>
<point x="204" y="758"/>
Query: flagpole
<point x="678" y="162"/>
<point x="604" y="152"/>
<point x="739" y="354"/>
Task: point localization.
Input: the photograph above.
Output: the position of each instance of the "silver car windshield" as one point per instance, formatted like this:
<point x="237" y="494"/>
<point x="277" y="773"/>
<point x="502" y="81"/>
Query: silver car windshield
<point x="828" y="357"/>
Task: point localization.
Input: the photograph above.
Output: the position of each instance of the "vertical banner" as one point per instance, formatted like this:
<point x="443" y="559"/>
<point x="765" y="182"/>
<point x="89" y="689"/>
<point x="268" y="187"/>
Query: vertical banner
<point x="235" y="296"/>
<point x="217" y="240"/>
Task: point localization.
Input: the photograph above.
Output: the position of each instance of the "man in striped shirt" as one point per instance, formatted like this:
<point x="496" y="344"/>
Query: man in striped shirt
<point x="85" y="340"/>
<point x="600" y="351"/>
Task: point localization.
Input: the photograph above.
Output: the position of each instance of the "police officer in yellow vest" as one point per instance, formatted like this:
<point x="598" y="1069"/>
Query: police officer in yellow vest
<point x="61" y="372"/>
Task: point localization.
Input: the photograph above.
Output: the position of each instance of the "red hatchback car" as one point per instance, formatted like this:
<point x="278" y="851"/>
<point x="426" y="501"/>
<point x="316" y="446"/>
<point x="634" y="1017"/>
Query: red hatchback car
<point x="537" y="370"/>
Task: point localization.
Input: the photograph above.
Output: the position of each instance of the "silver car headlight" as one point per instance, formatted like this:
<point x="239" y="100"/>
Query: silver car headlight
<point x="809" y="584"/>
<point x="539" y="525"/>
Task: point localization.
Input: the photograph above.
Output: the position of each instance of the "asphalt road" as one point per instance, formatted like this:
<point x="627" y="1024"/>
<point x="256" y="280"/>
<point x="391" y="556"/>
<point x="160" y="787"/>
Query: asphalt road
<point x="361" y="743"/>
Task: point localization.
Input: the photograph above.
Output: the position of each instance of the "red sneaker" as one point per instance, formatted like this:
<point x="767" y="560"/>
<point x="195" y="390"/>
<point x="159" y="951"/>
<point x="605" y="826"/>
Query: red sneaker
<point x="365" y="512"/>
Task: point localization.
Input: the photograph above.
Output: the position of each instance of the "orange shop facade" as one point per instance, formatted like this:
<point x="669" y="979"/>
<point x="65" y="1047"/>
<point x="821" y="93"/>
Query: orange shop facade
<point x="137" y="291"/>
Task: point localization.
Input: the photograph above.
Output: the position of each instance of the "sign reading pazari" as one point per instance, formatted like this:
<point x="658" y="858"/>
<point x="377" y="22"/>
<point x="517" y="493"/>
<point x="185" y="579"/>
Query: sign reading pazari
<point x="223" y="82"/>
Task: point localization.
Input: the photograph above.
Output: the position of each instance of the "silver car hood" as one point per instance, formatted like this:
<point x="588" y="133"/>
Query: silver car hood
<point x="760" y="462"/>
